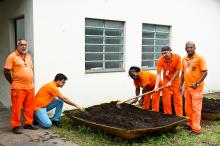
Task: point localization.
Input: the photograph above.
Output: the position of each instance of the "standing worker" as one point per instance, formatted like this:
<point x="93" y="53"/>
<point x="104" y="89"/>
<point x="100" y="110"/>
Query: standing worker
<point x="145" y="80"/>
<point x="48" y="98"/>
<point x="18" y="70"/>
<point x="194" y="71"/>
<point x="170" y="64"/>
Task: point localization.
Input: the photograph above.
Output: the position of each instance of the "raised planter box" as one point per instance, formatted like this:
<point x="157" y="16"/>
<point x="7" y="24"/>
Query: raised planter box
<point x="128" y="122"/>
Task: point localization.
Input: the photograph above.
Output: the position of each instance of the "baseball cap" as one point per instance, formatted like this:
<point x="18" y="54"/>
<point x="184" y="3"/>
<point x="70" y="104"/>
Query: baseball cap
<point x="165" y="48"/>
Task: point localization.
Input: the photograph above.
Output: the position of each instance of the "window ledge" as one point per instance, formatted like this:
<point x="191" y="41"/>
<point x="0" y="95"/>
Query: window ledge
<point x="104" y="71"/>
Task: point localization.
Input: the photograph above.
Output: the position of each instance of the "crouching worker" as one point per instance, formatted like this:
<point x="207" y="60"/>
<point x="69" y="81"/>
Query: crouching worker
<point x="46" y="100"/>
<point x="145" y="80"/>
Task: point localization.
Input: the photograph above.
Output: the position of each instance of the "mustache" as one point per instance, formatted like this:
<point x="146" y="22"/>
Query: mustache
<point x="23" y="49"/>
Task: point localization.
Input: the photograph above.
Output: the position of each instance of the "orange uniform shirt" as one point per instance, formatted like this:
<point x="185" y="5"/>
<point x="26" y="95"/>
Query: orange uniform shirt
<point x="145" y="78"/>
<point x="169" y="67"/>
<point x="45" y="95"/>
<point x="192" y="69"/>
<point x="22" y="71"/>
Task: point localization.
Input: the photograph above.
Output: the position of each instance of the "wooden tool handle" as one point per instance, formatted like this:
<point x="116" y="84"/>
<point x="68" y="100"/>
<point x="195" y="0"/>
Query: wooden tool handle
<point x="143" y="94"/>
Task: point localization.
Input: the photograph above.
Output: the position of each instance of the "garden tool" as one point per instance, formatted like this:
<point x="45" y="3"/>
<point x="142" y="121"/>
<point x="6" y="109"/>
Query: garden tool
<point x="136" y="97"/>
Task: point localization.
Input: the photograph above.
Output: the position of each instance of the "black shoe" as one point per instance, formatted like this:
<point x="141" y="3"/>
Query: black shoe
<point x="193" y="133"/>
<point x="17" y="130"/>
<point x="186" y="127"/>
<point x="57" y="124"/>
<point x="31" y="127"/>
<point x="35" y="123"/>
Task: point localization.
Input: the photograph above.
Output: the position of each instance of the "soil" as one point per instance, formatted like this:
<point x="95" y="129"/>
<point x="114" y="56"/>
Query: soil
<point x="129" y="117"/>
<point x="211" y="106"/>
<point x="126" y="117"/>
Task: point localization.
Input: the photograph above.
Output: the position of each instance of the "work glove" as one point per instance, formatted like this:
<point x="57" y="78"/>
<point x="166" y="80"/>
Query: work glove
<point x="132" y="101"/>
<point x="141" y="102"/>
<point x="82" y="109"/>
<point x="169" y="84"/>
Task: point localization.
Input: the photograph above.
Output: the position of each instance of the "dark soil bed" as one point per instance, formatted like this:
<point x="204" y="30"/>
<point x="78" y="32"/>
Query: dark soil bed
<point x="127" y="117"/>
<point x="211" y="106"/>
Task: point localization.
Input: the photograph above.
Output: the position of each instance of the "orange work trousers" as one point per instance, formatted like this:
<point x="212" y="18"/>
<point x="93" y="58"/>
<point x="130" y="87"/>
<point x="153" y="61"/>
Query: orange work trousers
<point x="193" y="107"/>
<point x="19" y="98"/>
<point x="177" y="98"/>
<point x="155" y="101"/>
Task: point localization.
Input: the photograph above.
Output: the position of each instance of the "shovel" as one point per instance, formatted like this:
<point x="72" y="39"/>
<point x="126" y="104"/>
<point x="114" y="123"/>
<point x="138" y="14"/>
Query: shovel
<point x="118" y="103"/>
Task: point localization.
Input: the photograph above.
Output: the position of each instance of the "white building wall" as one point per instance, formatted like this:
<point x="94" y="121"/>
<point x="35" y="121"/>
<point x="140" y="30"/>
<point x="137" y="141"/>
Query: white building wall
<point x="59" y="41"/>
<point x="9" y="10"/>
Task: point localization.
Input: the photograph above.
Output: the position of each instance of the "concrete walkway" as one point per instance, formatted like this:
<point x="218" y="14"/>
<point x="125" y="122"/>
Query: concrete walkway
<point x="40" y="137"/>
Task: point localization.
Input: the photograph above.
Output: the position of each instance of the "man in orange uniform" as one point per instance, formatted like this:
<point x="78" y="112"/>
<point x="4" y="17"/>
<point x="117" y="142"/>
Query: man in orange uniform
<point x="170" y="64"/>
<point x="194" y="71"/>
<point x="146" y="80"/>
<point x="46" y="100"/>
<point x="18" y="70"/>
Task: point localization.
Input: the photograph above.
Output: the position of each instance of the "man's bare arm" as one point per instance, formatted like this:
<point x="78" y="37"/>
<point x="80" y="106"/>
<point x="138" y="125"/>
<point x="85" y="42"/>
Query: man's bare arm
<point x="7" y="73"/>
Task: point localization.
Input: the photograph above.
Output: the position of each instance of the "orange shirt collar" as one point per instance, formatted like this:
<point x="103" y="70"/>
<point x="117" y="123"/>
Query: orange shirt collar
<point x="194" y="55"/>
<point x="17" y="53"/>
<point x="54" y="82"/>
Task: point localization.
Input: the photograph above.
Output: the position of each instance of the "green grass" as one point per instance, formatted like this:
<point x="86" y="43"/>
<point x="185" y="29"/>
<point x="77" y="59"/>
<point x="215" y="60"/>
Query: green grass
<point x="86" y="136"/>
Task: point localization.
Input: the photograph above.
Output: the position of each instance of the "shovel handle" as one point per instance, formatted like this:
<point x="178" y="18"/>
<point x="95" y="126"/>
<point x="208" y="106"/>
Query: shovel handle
<point x="143" y="94"/>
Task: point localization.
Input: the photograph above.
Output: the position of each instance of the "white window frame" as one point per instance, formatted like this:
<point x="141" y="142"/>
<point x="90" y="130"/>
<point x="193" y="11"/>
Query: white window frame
<point x="155" y="50"/>
<point x="103" y="46"/>
<point x="19" y="29"/>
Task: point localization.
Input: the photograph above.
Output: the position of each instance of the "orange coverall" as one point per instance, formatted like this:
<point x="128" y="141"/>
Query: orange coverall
<point x="22" y="87"/>
<point x="192" y="69"/>
<point x="148" y="79"/>
<point x="169" y="68"/>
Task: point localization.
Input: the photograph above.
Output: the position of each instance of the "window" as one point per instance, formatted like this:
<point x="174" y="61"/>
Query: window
<point x="153" y="38"/>
<point x="104" y="45"/>
<point x="19" y="29"/>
